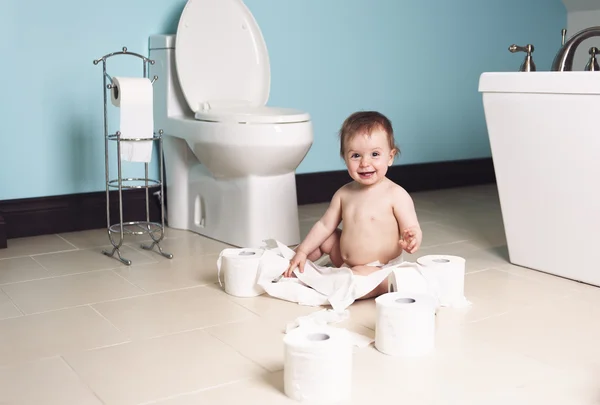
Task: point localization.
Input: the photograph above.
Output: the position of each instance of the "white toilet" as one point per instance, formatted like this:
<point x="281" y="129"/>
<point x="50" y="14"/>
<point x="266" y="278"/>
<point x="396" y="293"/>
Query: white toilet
<point x="230" y="160"/>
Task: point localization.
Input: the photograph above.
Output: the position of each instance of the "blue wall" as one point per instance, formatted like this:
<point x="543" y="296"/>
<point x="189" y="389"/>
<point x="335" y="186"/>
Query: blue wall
<point x="416" y="61"/>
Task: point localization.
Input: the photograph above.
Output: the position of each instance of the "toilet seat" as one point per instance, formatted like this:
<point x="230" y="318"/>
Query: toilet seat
<point x="247" y="114"/>
<point x="220" y="54"/>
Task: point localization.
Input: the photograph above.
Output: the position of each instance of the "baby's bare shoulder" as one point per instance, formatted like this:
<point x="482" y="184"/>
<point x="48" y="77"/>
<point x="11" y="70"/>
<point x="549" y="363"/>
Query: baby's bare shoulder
<point x="397" y="191"/>
<point x="345" y="190"/>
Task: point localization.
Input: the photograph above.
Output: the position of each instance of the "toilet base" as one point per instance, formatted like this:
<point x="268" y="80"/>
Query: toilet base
<point x="241" y="212"/>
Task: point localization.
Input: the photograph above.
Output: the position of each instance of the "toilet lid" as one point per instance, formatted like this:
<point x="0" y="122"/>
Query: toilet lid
<point x="252" y="115"/>
<point x="220" y="54"/>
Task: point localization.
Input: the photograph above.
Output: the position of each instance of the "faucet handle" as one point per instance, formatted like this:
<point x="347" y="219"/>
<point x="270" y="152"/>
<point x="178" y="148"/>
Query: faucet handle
<point x="564" y="36"/>
<point x="592" y="65"/>
<point x="528" y="65"/>
<point x="516" y="48"/>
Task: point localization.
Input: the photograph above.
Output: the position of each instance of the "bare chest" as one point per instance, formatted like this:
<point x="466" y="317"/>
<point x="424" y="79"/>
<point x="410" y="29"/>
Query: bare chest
<point x="367" y="210"/>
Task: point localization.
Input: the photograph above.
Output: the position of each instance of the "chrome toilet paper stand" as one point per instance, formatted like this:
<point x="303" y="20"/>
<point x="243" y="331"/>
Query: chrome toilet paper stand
<point x="154" y="230"/>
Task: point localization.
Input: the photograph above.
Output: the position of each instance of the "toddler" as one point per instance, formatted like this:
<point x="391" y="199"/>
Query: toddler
<point x="378" y="216"/>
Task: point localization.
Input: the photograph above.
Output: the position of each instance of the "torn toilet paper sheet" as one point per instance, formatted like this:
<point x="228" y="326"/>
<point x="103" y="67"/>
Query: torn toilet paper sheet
<point x="338" y="287"/>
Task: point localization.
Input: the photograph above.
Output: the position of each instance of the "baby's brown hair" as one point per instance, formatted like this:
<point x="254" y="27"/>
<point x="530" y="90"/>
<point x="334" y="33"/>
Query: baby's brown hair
<point x="366" y="122"/>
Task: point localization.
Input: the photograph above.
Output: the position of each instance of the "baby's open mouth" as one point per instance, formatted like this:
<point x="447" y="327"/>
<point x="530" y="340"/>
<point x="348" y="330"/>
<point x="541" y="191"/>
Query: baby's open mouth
<point x="366" y="175"/>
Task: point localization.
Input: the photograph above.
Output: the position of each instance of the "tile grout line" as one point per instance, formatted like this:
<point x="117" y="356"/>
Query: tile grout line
<point x="203" y="328"/>
<point x="81" y="380"/>
<point x="106" y="319"/>
<point x="183" y="394"/>
<point x="117" y="299"/>
<point x="37" y="254"/>
<point x="67" y="241"/>
<point x="50" y="273"/>
<point x="14" y="303"/>
<point x="128" y="281"/>
<point x="239" y="352"/>
<point x="53" y="276"/>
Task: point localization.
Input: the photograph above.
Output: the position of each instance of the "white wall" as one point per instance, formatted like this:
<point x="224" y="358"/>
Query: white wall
<point x="582" y="14"/>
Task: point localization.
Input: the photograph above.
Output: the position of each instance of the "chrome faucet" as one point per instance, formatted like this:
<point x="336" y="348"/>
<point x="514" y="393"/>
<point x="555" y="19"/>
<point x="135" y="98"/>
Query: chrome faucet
<point x="592" y="65"/>
<point x="563" y="61"/>
<point x="528" y="65"/>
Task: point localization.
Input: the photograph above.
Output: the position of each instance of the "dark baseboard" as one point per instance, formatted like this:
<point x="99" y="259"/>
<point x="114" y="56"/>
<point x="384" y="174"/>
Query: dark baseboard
<point x="320" y="187"/>
<point x="78" y="212"/>
<point x="73" y="212"/>
<point x="3" y="238"/>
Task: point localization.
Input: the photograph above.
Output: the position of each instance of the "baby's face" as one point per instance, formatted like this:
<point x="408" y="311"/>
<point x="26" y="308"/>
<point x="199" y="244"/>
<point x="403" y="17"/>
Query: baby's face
<point x="368" y="157"/>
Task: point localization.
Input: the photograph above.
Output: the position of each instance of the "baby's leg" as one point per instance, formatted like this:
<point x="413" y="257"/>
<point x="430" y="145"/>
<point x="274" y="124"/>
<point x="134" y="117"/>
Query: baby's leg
<point x="331" y="246"/>
<point x="381" y="289"/>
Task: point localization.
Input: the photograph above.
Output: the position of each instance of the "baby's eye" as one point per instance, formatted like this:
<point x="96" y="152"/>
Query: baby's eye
<point x="375" y="154"/>
<point x="355" y="156"/>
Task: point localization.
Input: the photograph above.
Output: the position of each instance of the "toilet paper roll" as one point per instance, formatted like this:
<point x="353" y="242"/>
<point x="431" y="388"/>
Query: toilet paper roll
<point x="133" y="97"/>
<point x="407" y="279"/>
<point x="405" y="324"/>
<point x="318" y="365"/>
<point x="450" y="274"/>
<point x="240" y="271"/>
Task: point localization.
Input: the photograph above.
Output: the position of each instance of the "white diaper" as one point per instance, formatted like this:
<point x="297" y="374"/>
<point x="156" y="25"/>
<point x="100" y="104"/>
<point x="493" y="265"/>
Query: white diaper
<point x="377" y="263"/>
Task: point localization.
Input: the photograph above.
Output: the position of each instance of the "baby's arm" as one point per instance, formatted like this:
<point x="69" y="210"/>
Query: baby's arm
<point x="410" y="230"/>
<point x="318" y="233"/>
<point x="324" y="227"/>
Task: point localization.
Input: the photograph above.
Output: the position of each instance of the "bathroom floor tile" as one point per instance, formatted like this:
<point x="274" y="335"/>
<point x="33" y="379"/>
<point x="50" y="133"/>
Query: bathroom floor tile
<point x="312" y="211"/>
<point x="261" y="340"/>
<point x="171" y="312"/>
<point x="364" y="313"/>
<point x="164" y="332"/>
<point x="493" y="292"/>
<point x="549" y="280"/>
<point x="193" y="246"/>
<point x="562" y="332"/>
<point x="142" y="371"/>
<point x="263" y="390"/>
<point x="570" y="388"/>
<point x="466" y="375"/>
<point x="7" y="308"/>
<point x="180" y="272"/>
<point x="258" y="339"/>
<point x="99" y="237"/>
<point x="84" y="260"/>
<point x="68" y="291"/>
<point x="435" y="234"/>
<point x="35" y="245"/>
<point x="54" y="333"/>
<point x="48" y="382"/>
<point x="21" y="269"/>
<point x="269" y="307"/>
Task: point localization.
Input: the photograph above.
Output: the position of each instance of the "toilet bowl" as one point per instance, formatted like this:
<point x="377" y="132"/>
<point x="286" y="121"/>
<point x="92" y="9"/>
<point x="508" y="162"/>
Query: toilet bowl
<point x="230" y="159"/>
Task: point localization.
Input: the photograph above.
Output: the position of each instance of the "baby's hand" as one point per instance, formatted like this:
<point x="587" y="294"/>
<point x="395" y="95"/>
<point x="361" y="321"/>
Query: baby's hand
<point x="297" y="261"/>
<point x="411" y="239"/>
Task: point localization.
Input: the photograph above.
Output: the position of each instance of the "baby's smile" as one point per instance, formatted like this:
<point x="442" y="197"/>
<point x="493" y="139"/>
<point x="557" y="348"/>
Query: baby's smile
<point x="366" y="175"/>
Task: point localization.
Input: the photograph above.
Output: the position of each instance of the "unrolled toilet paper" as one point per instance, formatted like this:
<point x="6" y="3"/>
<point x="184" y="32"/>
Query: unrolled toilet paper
<point x="449" y="271"/>
<point x="239" y="269"/>
<point x="318" y="365"/>
<point x="405" y="324"/>
<point x="317" y="285"/>
<point x="133" y="97"/>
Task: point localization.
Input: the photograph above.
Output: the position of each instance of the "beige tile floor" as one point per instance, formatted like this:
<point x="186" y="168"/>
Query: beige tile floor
<point x="77" y="327"/>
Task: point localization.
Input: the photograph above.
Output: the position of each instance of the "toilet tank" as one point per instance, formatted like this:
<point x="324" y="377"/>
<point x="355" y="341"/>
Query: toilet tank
<point x="168" y="98"/>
